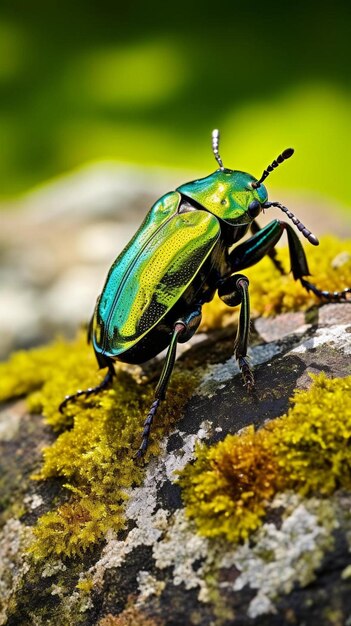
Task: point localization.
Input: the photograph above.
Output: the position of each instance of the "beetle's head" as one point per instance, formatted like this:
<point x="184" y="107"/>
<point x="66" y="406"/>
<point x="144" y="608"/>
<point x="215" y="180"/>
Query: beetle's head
<point x="235" y="197"/>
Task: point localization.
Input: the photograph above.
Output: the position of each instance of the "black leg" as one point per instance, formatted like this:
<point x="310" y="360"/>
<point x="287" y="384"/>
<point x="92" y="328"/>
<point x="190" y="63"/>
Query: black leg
<point x="256" y="228"/>
<point x="233" y="291"/>
<point x="184" y="328"/>
<point x="105" y="383"/>
<point x="263" y="242"/>
<point x="332" y="296"/>
<point x="259" y="245"/>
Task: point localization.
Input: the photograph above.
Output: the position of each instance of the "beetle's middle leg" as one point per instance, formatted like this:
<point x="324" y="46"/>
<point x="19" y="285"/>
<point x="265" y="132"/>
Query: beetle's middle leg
<point x="234" y="290"/>
<point x="183" y="329"/>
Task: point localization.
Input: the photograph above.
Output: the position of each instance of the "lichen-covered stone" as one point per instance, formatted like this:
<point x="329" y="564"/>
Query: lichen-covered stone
<point x="113" y="541"/>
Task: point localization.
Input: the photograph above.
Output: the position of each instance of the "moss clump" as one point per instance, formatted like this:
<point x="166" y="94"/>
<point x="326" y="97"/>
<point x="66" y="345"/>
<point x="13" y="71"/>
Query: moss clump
<point x="271" y="293"/>
<point x="27" y="371"/>
<point x="228" y="488"/>
<point x="312" y="444"/>
<point x="95" y="456"/>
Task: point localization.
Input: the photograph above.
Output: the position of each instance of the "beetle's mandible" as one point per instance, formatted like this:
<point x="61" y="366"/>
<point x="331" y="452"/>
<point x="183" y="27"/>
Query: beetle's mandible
<point x="180" y="256"/>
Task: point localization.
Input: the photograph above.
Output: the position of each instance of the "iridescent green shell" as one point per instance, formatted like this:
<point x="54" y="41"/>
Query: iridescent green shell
<point x="151" y="273"/>
<point x="226" y="194"/>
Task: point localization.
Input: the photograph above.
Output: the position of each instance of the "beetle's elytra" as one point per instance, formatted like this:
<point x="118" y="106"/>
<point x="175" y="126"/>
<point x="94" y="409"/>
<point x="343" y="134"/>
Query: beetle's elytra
<point x="180" y="256"/>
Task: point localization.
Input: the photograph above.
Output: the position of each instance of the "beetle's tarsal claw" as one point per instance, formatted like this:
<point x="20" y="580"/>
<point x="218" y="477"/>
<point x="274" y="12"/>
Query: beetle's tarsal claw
<point x="147" y="428"/>
<point x="247" y="375"/>
<point x="139" y="456"/>
<point x="63" y="404"/>
<point x="332" y="296"/>
<point x="90" y="391"/>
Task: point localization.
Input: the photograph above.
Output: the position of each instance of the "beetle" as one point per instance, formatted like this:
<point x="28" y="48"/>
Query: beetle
<point x="181" y="255"/>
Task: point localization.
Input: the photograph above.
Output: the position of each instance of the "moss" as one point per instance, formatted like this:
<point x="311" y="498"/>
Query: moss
<point x="27" y="371"/>
<point x="312" y="444"/>
<point x="95" y="455"/>
<point x="271" y="293"/>
<point x="228" y="488"/>
<point x="86" y="585"/>
<point x="229" y="481"/>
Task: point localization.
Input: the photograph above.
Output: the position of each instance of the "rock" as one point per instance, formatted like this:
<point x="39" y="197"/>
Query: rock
<point x="274" y="328"/>
<point x="19" y="317"/>
<point x="159" y="571"/>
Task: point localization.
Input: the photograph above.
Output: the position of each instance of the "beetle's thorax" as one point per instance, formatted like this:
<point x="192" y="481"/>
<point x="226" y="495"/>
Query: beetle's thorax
<point x="226" y="194"/>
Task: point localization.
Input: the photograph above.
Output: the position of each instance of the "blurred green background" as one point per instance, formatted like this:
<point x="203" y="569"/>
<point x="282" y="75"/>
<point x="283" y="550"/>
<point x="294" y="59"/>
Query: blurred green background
<point x="146" y="82"/>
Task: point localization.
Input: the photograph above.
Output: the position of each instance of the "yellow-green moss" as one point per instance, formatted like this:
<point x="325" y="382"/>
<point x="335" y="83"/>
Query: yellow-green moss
<point x="85" y="585"/>
<point x="95" y="456"/>
<point x="312" y="444"/>
<point x="228" y="488"/>
<point x="271" y="293"/>
<point x="27" y="371"/>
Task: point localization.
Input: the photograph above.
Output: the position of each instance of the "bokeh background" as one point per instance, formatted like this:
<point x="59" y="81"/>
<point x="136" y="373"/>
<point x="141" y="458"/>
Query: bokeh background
<point x="144" y="83"/>
<point x="106" y="105"/>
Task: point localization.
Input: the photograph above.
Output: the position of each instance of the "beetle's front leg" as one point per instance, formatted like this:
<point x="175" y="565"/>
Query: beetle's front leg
<point x="254" y="249"/>
<point x="233" y="291"/>
<point x="183" y="330"/>
<point x="256" y="228"/>
<point x="262" y="243"/>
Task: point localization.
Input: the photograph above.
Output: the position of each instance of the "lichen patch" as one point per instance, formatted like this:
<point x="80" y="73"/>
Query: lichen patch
<point x="221" y="373"/>
<point x="151" y="521"/>
<point x="281" y="557"/>
<point x="14" y="539"/>
<point x="337" y="336"/>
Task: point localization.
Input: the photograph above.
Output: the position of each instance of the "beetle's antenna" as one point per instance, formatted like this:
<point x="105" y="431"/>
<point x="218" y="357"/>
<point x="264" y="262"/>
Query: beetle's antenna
<point x="215" y="144"/>
<point x="286" y="154"/>
<point x="304" y="231"/>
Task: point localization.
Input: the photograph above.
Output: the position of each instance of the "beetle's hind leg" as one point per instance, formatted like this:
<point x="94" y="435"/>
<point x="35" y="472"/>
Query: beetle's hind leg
<point x="105" y="383"/>
<point x="183" y="329"/>
<point x="233" y="291"/>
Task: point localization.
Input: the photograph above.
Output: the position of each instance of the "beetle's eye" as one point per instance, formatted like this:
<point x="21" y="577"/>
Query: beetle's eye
<point x="254" y="208"/>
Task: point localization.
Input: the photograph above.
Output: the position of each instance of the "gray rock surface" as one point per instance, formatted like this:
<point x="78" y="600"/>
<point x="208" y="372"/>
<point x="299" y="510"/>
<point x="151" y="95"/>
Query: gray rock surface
<point x="294" y="570"/>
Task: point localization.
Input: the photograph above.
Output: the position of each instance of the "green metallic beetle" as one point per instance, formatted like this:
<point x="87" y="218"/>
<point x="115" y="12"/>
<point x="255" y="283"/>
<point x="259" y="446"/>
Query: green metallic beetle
<point x="180" y="256"/>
